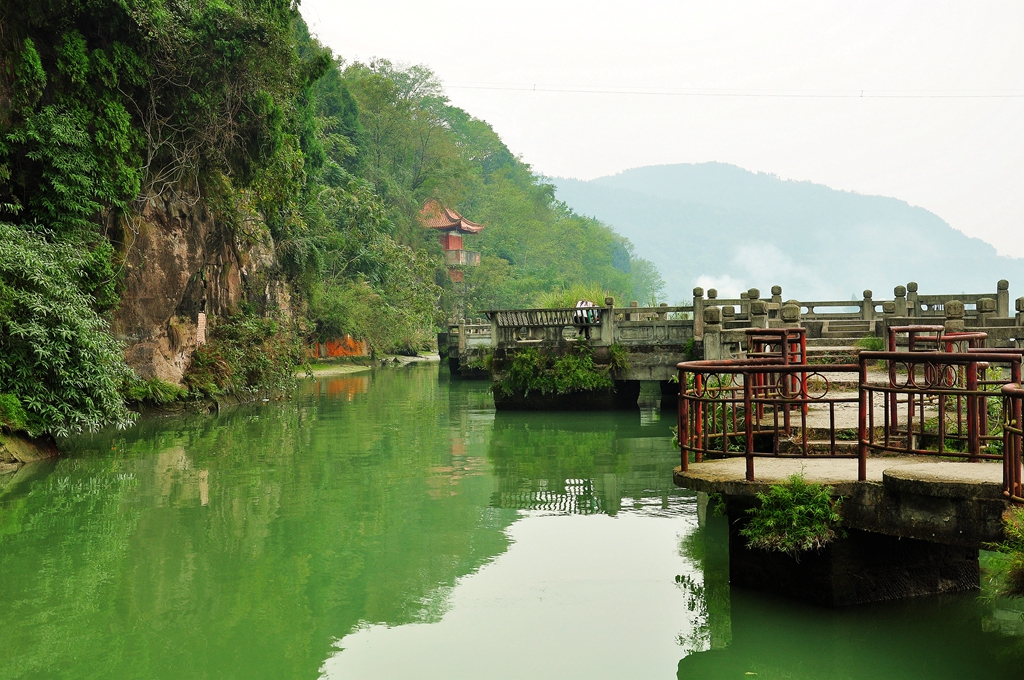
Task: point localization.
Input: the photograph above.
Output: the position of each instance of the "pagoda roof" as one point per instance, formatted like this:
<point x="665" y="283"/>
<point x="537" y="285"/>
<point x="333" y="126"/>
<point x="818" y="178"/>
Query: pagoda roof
<point x="433" y="215"/>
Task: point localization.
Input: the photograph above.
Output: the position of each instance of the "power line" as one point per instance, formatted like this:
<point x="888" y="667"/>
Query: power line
<point x="778" y="94"/>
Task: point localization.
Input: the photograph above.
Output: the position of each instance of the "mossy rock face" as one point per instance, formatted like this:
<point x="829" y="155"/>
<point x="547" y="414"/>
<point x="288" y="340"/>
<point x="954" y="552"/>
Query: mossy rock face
<point x="18" y="449"/>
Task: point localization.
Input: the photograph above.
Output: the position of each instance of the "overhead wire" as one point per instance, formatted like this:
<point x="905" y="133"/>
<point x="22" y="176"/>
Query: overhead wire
<point x="778" y="94"/>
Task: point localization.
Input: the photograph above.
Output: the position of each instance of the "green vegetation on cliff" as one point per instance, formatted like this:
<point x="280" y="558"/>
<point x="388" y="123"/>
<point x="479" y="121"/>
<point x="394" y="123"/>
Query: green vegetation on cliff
<point x="105" y="104"/>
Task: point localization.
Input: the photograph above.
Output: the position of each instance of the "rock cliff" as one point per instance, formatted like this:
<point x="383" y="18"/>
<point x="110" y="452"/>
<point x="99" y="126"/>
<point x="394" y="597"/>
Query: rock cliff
<point x="182" y="267"/>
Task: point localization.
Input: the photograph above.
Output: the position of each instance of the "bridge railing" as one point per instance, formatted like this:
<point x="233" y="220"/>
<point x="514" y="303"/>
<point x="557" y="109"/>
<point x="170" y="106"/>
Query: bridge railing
<point x="935" y="403"/>
<point x="907" y="303"/>
<point x="754" y="408"/>
<point x="603" y="326"/>
<point x="1013" y="440"/>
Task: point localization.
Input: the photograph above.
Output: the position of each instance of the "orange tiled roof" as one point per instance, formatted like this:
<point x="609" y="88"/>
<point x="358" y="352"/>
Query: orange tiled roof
<point x="433" y="215"/>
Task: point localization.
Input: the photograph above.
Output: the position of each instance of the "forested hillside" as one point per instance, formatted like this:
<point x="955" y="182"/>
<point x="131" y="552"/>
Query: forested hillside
<point x="165" y="161"/>
<point x="717" y="225"/>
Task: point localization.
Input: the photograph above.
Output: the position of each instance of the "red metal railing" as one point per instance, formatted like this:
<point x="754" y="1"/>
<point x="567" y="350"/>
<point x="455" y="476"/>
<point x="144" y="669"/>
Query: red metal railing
<point x="1013" y="436"/>
<point x="932" y="403"/>
<point x="758" y="407"/>
<point x="940" y="404"/>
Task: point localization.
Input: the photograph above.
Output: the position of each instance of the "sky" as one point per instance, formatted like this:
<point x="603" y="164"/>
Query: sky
<point x="586" y="89"/>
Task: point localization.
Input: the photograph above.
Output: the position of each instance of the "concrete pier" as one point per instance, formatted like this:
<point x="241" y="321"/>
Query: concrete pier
<point x="914" y="526"/>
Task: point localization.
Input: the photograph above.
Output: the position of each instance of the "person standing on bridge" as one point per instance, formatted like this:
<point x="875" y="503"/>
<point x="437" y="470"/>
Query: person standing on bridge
<point x="584" y="316"/>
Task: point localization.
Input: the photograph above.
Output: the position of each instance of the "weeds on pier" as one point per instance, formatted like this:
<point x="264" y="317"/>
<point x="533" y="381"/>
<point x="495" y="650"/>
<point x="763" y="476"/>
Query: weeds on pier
<point x="1008" y="572"/>
<point x="794" y="518"/>
<point x="532" y="371"/>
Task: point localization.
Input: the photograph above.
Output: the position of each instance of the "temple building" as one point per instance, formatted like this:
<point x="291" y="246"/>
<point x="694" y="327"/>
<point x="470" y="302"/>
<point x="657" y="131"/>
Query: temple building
<point x="452" y="227"/>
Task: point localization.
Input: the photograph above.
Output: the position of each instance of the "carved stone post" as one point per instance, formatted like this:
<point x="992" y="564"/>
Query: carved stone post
<point x="608" y="321"/>
<point x="713" y="333"/>
<point x="1019" y="306"/>
<point x="1003" y="298"/>
<point x="728" y="314"/>
<point x="867" y="307"/>
<point x="758" y="313"/>
<point x="633" y="316"/>
<point x="986" y="311"/>
<point x="744" y="307"/>
<point x="954" y="316"/>
<point x="777" y="295"/>
<point x="663" y="316"/>
<point x="900" y="303"/>
<point x="913" y="306"/>
<point x="698" y="312"/>
<point x="790" y="315"/>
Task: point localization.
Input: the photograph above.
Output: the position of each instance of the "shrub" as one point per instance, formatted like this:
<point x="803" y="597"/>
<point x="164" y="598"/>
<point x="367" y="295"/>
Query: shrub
<point x="1010" y="569"/>
<point x="56" y="352"/>
<point x="530" y="371"/>
<point x="619" y="361"/>
<point x="793" y="518"/>
<point x="565" y="298"/>
<point x="154" y="391"/>
<point x="246" y="354"/>
<point x="12" y="415"/>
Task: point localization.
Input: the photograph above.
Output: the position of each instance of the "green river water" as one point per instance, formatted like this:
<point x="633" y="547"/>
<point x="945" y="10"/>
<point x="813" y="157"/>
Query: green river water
<point x="389" y="524"/>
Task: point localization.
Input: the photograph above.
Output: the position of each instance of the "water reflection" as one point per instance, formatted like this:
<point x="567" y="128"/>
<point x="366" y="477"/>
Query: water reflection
<point x="392" y="524"/>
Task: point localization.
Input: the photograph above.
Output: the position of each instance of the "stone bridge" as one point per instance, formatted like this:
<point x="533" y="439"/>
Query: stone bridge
<point x="655" y="339"/>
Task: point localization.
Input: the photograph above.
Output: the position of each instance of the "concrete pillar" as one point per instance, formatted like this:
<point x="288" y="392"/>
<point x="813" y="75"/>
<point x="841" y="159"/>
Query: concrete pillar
<point x="698" y="312"/>
<point x="607" y="335"/>
<point x="713" y="333"/>
<point x="494" y="330"/>
<point x="900" y="303"/>
<point x="790" y="315"/>
<point x="758" y="313"/>
<point x="1003" y="298"/>
<point x="777" y="295"/>
<point x="986" y="311"/>
<point x="867" y="307"/>
<point x="954" y="316"/>
<point x="913" y="306"/>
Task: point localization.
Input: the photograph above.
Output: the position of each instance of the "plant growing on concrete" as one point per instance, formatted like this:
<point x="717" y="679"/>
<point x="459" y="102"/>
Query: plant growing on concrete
<point x="619" y="361"/>
<point x="531" y="371"/>
<point x="872" y="343"/>
<point x="1009" y="571"/>
<point x="793" y="518"/>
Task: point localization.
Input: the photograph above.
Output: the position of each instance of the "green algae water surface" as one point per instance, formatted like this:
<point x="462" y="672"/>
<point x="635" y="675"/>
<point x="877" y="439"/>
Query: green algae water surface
<point x="391" y="525"/>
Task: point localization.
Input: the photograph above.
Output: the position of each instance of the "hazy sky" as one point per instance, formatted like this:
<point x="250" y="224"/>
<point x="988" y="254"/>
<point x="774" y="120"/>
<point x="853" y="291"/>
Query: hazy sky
<point x="960" y="157"/>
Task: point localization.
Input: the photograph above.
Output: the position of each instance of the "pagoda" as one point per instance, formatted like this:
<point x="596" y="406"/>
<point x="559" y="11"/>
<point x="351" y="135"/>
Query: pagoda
<point x="452" y="227"/>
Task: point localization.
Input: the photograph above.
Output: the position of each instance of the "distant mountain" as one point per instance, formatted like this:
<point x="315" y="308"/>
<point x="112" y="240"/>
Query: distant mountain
<point x="720" y="226"/>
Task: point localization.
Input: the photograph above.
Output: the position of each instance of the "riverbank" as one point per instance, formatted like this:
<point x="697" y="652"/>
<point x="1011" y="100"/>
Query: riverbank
<point x="327" y="368"/>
